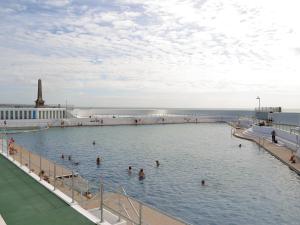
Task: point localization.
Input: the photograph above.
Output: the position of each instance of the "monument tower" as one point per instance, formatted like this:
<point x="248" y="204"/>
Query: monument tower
<point x="39" y="102"/>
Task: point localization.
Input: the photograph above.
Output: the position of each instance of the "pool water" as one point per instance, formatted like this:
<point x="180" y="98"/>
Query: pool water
<point x="244" y="185"/>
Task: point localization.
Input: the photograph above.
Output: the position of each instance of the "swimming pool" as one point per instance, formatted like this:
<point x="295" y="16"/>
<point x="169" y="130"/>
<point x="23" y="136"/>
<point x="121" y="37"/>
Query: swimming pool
<point x="244" y="185"/>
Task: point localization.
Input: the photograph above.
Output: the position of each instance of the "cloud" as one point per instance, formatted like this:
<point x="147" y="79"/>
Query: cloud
<point x="175" y="47"/>
<point x="55" y="3"/>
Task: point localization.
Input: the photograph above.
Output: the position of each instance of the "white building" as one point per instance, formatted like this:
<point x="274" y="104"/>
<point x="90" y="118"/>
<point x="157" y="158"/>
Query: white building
<point x="31" y="113"/>
<point x="26" y="113"/>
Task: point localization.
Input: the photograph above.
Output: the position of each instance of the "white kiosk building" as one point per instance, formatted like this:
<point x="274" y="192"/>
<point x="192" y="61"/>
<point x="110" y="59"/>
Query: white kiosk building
<point x="11" y="114"/>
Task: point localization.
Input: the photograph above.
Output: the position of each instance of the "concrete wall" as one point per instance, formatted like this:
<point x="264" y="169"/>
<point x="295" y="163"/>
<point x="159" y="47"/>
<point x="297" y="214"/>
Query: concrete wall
<point x="33" y="123"/>
<point x="99" y="121"/>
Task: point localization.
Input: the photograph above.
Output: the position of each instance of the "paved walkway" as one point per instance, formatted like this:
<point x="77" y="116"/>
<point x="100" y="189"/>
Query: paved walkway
<point x="23" y="201"/>
<point x="280" y="152"/>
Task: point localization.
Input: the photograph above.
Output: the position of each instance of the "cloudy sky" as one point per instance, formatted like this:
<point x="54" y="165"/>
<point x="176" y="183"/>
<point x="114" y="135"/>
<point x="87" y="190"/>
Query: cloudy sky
<point x="151" y="53"/>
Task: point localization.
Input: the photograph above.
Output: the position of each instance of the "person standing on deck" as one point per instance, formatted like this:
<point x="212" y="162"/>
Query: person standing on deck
<point x="273" y="136"/>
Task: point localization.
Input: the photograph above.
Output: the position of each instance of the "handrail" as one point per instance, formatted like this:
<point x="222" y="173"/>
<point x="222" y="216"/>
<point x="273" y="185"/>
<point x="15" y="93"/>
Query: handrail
<point x="130" y="202"/>
<point x="162" y="212"/>
<point x="115" y="211"/>
<point x="126" y="212"/>
<point x="78" y="185"/>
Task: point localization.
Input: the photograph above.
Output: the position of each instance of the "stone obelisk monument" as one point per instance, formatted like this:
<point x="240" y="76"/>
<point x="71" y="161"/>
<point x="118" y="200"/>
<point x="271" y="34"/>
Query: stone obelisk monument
<point x="39" y="102"/>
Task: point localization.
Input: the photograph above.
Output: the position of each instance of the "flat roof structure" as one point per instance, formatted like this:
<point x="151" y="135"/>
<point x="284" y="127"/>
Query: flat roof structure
<point x="23" y="201"/>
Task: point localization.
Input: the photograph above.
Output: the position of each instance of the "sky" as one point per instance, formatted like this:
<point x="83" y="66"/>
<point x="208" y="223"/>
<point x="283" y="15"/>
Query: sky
<point x="151" y="53"/>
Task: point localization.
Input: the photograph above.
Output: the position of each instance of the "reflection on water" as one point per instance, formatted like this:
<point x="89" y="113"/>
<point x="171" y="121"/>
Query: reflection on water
<point x="244" y="185"/>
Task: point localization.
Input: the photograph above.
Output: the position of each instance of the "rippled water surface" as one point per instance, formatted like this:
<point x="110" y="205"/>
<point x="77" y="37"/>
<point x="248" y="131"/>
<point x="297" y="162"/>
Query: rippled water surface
<point x="244" y="185"/>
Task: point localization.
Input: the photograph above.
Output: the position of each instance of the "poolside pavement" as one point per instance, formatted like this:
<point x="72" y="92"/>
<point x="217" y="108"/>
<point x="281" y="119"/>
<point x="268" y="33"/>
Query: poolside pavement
<point x="280" y="152"/>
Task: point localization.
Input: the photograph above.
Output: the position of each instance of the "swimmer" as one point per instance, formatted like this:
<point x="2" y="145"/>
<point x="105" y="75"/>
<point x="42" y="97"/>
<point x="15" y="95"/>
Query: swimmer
<point x="94" y="142"/>
<point x="240" y="145"/>
<point x="129" y="170"/>
<point x="141" y="174"/>
<point x="62" y="156"/>
<point x="157" y="163"/>
<point x="69" y="157"/>
<point x="203" y="183"/>
<point x="98" y="160"/>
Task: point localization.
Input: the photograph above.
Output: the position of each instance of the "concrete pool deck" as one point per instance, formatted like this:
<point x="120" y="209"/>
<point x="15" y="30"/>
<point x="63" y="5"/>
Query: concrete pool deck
<point x="280" y="152"/>
<point x="23" y="201"/>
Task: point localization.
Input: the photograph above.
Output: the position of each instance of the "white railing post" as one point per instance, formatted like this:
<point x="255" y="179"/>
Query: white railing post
<point x="40" y="167"/>
<point x="13" y="153"/>
<point x="101" y="201"/>
<point x="49" y="174"/>
<point x="54" y="176"/>
<point x="7" y="153"/>
<point x="20" y="157"/>
<point x="29" y="162"/>
<point x="2" y="143"/>
<point x="140" y="213"/>
<point x="72" y="186"/>
<point x="119" y="216"/>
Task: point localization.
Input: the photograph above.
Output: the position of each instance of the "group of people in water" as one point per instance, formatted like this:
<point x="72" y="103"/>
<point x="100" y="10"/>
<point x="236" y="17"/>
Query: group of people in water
<point x="70" y="159"/>
<point x="98" y="159"/>
<point x="141" y="173"/>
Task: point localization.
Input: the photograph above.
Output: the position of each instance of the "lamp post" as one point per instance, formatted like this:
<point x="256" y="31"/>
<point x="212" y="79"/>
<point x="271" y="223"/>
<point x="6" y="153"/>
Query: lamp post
<point x="258" y="102"/>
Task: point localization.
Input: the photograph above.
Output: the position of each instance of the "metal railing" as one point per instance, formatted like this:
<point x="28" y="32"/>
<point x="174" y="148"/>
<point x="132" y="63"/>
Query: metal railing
<point x="268" y="109"/>
<point x="98" y="196"/>
<point x="292" y="129"/>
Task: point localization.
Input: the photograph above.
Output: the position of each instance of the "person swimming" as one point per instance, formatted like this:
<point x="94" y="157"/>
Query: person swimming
<point x="141" y="174"/>
<point x="240" y="145"/>
<point x="129" y="170"/>
<point x="62" y="156"/>
<point x="69" y="157"/>
<point x="98" y="160"/>
<point x="94" y="142"/>
<point x="157" y="163"/>
<point x="203" y="182"/>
